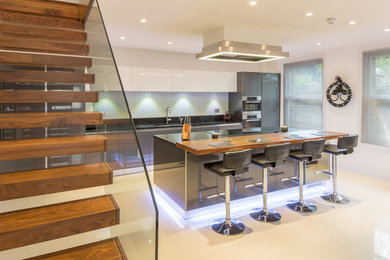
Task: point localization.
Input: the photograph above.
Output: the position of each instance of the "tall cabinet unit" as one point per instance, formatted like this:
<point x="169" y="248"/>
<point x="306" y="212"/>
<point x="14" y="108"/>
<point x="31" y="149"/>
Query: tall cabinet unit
<point x="270" y="102"/>
<point x="257" y="101"/>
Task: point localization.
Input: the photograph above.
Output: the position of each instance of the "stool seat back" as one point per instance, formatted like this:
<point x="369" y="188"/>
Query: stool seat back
<point x="347" y="142"/>
<point x="237" y="160"/>
<point x="314" y="148"/>
<point x="277" y="153"/>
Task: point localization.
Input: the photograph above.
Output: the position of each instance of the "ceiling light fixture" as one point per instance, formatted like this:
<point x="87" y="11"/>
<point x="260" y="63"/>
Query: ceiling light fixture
<point x="143" y="20"/>
<point x="309" y="14"/>
<point x="352" y="22"/>
<point x="252" y="3"/>
<point x="319" y="44"/>
<point x="387" y="30"/>
<point x="122" y="37"/>
<point x="169" y="43"/>
<point x="241" y="52"/>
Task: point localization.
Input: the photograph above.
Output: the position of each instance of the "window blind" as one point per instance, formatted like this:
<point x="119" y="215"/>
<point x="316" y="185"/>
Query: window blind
<point x="303" y="95"/>
<point x="376" y="98"/>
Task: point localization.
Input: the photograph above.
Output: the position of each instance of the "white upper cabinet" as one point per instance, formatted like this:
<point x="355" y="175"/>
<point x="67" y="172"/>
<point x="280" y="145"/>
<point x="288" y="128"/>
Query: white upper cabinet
<point x="170" y="80"/>
<point x="126" y="74"/>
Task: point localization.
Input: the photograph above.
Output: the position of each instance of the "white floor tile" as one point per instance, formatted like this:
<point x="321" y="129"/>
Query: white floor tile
<point x="359" y="230"/>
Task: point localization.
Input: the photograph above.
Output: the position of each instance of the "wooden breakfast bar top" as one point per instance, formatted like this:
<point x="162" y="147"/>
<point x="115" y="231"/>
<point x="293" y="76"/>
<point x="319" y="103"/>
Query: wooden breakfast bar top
<point x="243" y="141"/>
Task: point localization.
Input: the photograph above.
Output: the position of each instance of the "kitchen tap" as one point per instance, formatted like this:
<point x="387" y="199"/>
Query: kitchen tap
<point x="168" y="119"/>
<point x="181" y="118"/>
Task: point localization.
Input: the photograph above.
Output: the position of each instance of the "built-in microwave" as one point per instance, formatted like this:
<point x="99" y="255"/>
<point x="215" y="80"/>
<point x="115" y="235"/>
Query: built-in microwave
<point x="251" y="121"/>
<point x="251" y="103"/>
<point x="250" y="115"/>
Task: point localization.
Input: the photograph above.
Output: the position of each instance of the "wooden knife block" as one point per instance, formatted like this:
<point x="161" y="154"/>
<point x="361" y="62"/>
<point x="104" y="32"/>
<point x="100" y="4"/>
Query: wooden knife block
<point x="186" y="132"/>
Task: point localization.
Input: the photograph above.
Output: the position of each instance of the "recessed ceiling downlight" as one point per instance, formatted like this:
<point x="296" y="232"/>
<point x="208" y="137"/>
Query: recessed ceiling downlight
<point x="252" y="3"/>
<point x="122" y="37"/>
<point x="387" y="30"/>
<point x="352" y="22"/>
<point x="309" y="14"/>
<point x="143" y="20"/>
<point x="318" y="44"/>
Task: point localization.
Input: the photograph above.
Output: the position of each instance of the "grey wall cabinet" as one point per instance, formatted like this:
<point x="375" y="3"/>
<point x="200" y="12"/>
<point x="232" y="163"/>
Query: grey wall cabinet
<point x="249" y="83"/>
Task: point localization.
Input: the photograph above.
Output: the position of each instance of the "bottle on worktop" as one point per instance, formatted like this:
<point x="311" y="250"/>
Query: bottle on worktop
<point x="227" y="117"/>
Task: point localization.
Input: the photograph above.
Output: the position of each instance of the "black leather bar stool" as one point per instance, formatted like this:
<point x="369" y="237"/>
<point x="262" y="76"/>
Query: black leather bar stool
<point x="233" y="163"/>
<point x="311" y="150"/>
<point x="274" y="156"/>
<point x="345" y="146"/>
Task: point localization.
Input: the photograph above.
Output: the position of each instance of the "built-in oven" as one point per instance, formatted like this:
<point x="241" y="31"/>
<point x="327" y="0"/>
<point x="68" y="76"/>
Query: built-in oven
<point x="251" y="121"/>
<point x="251" y="103"/>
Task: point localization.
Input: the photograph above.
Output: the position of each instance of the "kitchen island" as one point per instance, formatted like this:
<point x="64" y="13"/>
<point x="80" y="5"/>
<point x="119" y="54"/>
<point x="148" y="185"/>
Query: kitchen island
<point x="180" y="176"/>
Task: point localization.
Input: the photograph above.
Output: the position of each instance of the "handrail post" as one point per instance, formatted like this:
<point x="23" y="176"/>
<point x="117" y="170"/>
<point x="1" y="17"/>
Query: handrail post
<point x="87" y="11"/>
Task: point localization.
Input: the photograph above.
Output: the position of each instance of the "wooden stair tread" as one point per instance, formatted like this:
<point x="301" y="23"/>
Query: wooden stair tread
<point x="17" y="43"/>
<point x="109" y="249"/>
<point x="34" y="225"/>
<point x="54" y="146"/>
<point x="39" y="31"/>
<point x="38" y="96"/>
<point x="51" y="119"/>
<point x="57" y="9"/>
<point x="16" y="17"/>
<point x="41" y="60"/>
<point x="45" y="76"/>
<point x="23" y="184"/>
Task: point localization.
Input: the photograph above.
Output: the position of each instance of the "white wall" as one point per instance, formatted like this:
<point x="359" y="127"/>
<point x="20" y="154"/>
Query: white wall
<point x="346" y="62"/>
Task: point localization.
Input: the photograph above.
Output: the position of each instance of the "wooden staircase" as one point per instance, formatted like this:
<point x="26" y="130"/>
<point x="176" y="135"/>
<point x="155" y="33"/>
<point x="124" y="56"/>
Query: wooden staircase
<point x="32" y="34"/>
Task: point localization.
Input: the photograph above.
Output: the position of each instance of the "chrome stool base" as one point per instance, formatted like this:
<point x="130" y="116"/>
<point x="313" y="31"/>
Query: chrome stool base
<point x="225" y="227"/>
<point x="265" y="216"/>
<point x="302" y="207"/>
<point x="335" y="198"/>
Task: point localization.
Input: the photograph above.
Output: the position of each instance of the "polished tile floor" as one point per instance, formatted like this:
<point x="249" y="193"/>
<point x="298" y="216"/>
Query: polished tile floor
<point x="357" y="231"/>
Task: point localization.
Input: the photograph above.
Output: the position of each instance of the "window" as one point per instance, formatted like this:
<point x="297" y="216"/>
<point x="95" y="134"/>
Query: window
<point x="303" y="95"/>
<point x="376" y="98"/>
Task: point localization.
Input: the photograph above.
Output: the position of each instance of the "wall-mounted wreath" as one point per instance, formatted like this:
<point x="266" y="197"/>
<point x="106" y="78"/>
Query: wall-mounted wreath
<point x="339" y="93"/>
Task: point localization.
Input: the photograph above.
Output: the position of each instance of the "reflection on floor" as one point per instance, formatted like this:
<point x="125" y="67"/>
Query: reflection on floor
<point x="359" y="230"/>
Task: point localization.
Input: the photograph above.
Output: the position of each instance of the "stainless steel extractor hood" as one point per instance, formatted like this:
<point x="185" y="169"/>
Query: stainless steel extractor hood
<point x="233" y="51"/>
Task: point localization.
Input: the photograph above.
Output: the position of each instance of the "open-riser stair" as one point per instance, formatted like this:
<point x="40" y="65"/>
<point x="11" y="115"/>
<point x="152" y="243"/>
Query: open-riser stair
<point x="42" y="75"/>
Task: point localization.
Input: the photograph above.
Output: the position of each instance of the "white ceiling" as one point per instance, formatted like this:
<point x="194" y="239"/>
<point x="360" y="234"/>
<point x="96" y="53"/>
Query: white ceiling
<point x="280" y="22"/>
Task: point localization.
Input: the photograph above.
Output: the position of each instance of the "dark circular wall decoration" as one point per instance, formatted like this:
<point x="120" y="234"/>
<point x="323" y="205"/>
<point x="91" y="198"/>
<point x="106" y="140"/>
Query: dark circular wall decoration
<point x="339" y="93"/>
